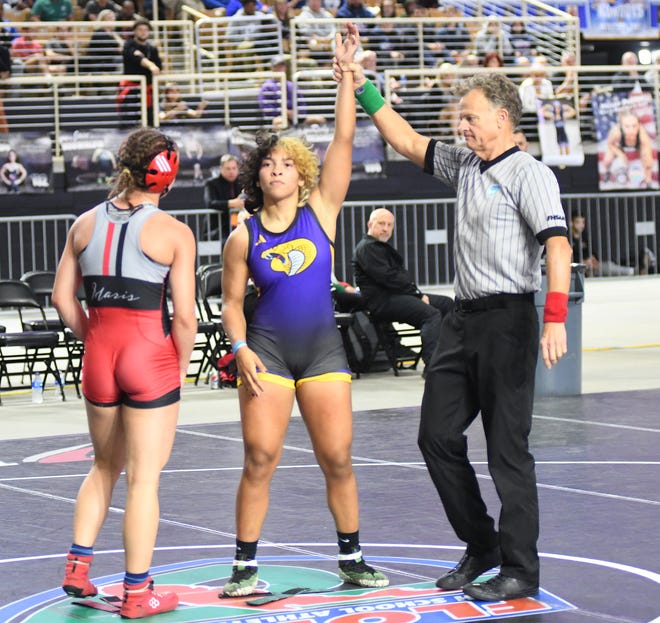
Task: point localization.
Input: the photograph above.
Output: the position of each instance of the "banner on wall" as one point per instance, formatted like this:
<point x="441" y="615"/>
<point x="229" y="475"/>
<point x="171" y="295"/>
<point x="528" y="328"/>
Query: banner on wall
<point x="26" y="163"/>
<point x="559" y="133"/>
<point x="620" y="19"/>
<point x="368" y="147"/>
<point x="626" y="133"/>
<point x="90" y="155"/>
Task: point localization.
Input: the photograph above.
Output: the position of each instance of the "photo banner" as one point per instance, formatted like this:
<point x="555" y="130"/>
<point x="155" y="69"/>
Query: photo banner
<point x="368" y="146"/>
<point x="559" y="133"/>
<point x="90" y="155"/>
<point x="26" y="163"/>
<point x="626" y="133"/>
<point x="620" y="19"/>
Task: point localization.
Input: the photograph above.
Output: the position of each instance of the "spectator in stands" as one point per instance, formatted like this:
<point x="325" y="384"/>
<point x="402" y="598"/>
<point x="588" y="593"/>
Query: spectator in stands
<point x="318" y="36"/>
<point x="628" y="78"/>
<point x="435" y="50"/>
<point x="232" y="7"/>
<point x="28" y="53"/>
<point x="569" y="83"/>
<point x="387" y="286"/>
<point x="410" y="33"/>
<point x="223" y="194"/>
<point x="583" y="254"/>
<point x="7" y="33"/>
<point x="385" y="9"/>
<point x="245" y="28"/>
<point x="536" y="86"/>
<point x="52" y="10"/>
<point x="58" y="51"/>
<point x="142" y="58"/>
<point x="281" y="13"/>
<point x="469" y="59"/>
<point x="174" y="8"/>
<point x="388" y="40"/>
<point x="491" y="38"/>
<point x="412" y="8"/>
<point x="369" y="62"/>
<point x="492" y="59"/>
<point x="104" y="50"/>
<point x="94" y="7"/>
<point x="447" y="130"/>
<point x="651" y="75"/>
<point x="21" y="10"/>
<point x="520" y="139"/>
<point x="12" y="172"/>
<point x="453" y="34"/>
<point x="270" y="98"/>
<point x="174" y="107"/>
<point x="355" y="9"/>
<point x="127" y="12"/>
<point x="521" y="41"/>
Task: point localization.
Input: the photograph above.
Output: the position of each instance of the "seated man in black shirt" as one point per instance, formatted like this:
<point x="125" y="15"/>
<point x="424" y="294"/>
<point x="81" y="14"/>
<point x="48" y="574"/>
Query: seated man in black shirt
<point x="390" y="293"/>
<point x="223" y="193"/>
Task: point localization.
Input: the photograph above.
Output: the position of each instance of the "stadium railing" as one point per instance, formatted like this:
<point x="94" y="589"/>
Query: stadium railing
<point x="621" y="227"/>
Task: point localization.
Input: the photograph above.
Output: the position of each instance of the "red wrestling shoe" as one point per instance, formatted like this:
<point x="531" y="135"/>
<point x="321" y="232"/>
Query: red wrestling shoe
<point x="76" y="576"/>
<point x="141" y="600"/>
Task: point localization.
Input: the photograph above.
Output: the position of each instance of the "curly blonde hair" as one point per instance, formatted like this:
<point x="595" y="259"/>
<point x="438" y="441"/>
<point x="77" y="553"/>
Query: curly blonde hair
<point x="305" y="159"/>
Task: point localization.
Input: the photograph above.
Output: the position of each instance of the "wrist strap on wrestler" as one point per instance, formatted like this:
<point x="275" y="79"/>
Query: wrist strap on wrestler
<point x="556" y="307"/>
<point x="369" y="97"/>
<point x="239" y="344"/>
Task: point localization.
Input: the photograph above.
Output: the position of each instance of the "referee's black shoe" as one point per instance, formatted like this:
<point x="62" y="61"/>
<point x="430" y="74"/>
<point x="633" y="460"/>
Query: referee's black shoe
<point x="468" y="569"/>
<point x="501" y="588"/>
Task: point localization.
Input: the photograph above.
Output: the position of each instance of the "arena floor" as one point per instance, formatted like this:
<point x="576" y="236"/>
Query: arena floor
<point x="597" y="467"/>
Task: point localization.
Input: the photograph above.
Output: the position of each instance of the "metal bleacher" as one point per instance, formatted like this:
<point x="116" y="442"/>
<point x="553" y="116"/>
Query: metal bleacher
<point x="218" y="60"/>
<point x="225" y="61"/>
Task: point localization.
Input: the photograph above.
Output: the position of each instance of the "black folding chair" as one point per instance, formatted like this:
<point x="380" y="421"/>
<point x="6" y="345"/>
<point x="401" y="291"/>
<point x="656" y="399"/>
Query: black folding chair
<point x="41" y="283"/>
<point x="22" y="351"/>
<point x="211" y="342"/>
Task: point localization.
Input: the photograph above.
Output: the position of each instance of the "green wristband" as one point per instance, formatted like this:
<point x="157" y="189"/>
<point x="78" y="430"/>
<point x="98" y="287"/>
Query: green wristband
<point x="370" y="98"/>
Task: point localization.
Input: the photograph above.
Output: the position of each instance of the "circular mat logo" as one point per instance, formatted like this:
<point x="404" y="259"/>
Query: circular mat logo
<point x="286" y="593"/>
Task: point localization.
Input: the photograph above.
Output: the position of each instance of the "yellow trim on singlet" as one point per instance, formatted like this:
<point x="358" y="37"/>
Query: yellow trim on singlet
<point x="327" y="377"/>
<point x="275" y="379"/>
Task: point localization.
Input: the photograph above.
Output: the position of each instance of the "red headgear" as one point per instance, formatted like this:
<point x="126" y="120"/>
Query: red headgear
<point x="161" y="171"/>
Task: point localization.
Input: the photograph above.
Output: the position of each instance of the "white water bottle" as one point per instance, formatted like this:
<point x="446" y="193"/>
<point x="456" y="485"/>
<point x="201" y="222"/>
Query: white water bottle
<point x="37" y="388"/>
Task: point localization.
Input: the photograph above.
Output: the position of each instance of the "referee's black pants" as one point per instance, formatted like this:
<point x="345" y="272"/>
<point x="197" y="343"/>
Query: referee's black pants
<point x="485" y="361"/>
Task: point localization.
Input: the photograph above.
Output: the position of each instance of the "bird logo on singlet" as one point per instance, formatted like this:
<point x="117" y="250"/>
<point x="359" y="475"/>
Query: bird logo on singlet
<point x="291" y="257"/>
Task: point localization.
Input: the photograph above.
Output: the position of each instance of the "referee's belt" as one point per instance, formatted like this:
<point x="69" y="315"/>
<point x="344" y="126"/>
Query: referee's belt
<point x="494" y="301"/>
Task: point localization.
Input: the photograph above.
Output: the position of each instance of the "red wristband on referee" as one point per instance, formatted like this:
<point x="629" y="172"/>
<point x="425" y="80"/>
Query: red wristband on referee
<point x="556" y="307"/>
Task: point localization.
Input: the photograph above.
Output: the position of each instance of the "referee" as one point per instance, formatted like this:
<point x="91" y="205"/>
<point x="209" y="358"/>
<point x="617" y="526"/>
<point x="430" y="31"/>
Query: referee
<point x="508" y="209"/>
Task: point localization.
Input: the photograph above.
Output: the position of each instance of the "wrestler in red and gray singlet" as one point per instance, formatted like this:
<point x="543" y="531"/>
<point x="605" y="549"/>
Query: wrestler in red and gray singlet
<point x="130" y="356"/>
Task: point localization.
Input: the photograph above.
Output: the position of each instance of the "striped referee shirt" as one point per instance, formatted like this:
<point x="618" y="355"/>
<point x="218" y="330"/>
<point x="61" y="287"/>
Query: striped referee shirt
<point x="506" y="209"/>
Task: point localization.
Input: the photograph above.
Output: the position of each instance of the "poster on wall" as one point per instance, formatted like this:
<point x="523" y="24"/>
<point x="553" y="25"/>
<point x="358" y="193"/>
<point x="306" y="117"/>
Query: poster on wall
<point x="559" y="133"/>
<point x="623" y="19"/>
<point x="626" y="133"/>
<point x="368" y="147"/>
<point x="26" y="163"/>
<point x="90" y="155"/>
